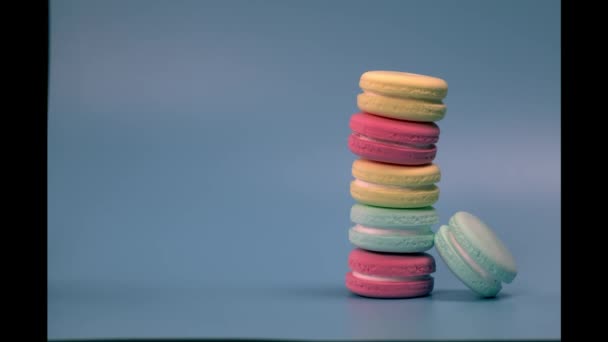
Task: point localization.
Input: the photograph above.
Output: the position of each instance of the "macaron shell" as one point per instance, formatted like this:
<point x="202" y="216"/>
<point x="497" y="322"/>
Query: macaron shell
<point x="385" y="289"/>
<point x="389" y="174"/>
<point x="404" y="84"/>
<point x="483" y="246"/>
<point x="392" y="130"/>
<point x="390" y="265"/>
<point x="464" y="272"/>
<point x="394" y="197"/>
<point x="401" y="109"/>
<point x="392" y="243"/>
<point x="390" y="153"/>
<point x="392" y="218"/>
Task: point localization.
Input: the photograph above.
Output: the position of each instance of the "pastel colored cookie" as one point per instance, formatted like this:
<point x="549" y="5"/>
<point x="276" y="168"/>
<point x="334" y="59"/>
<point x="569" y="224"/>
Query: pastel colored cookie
<point x="402" y="95"/>
<point x="475" y="254"/>
<point x="404" y="84"/>
<point x="392" y="230"/>
<point x="384" y="275"/>
<point x="394" y="186"/>
<point x="393" y="141"/>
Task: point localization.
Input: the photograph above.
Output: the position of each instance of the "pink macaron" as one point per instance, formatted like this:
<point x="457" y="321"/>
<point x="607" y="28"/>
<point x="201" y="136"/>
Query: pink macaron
<point x="388" y="275"/>
<point x="393" y="141"/>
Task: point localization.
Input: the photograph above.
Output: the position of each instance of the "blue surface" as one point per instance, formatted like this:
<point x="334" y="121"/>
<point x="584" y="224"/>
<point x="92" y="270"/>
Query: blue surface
<point x="199" y="173"/>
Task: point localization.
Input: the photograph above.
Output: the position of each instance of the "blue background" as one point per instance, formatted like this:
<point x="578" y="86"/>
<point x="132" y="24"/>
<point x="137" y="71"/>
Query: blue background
<point x="198" y="173"/>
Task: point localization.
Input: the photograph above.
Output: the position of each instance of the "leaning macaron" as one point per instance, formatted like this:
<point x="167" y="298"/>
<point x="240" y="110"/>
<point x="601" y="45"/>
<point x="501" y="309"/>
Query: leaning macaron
<point x="402" y="95"/>
<point x="393" y="141"/>
<point x="392" y="230"/>
<point x="383" y="275"/>
<point x="475" y="254"/>
<point x="394" y="186"/>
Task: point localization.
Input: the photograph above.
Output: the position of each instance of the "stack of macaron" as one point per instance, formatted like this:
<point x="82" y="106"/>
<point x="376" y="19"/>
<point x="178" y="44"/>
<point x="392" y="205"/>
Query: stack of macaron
<point x="394" y="186"/>
<point x="394" y="136"/>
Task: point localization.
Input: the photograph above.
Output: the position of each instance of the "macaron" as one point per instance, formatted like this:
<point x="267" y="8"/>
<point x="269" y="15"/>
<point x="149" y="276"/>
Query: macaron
<point x="394" y="186"/>
<point x="475" y="254"/>
<point x="393" y="141"/>
<point x="384" y="275"/>
<point x="402" y="95"/>
<point x="392" y="230"/>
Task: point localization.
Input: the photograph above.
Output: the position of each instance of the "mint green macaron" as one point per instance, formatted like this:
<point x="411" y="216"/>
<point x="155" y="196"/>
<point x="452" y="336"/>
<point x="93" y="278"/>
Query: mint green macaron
<point x="475" y="254"/>
<point x="392" y="230"/>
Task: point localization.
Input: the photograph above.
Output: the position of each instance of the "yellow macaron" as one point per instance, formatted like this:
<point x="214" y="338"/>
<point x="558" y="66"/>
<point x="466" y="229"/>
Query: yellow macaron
<point x="394" y="186"/>
<point x="402" y="95"/>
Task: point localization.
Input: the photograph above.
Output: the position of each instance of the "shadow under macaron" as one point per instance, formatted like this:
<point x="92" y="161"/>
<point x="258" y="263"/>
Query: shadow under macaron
<point x="464" y="295"/>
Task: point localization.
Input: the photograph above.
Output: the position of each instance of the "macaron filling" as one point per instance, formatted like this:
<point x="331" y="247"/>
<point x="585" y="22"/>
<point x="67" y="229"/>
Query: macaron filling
<point x="402" y="96"/>
<point x="389" y="279"/>
<point x="411" y="231"/>
<point x="467" y="258"/>
<point x="366" y="184"/>
<point x="392" y="143"/>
